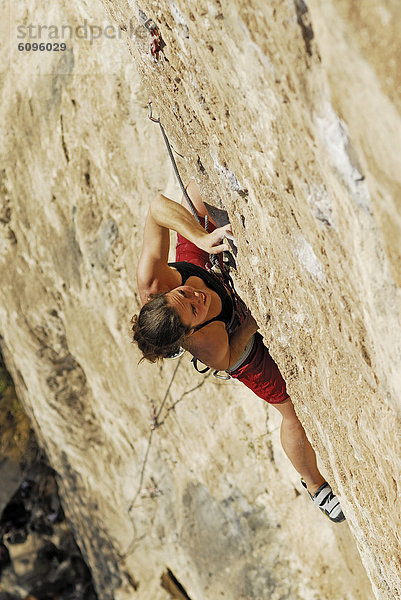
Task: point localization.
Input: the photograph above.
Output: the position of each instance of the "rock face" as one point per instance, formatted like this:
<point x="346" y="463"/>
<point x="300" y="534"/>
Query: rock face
<point x="289" y="118"/>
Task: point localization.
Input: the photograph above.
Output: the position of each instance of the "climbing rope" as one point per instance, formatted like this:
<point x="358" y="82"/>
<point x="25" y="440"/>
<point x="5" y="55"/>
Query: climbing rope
<point x="212" y="257"/>
<point x="182" y="186"/>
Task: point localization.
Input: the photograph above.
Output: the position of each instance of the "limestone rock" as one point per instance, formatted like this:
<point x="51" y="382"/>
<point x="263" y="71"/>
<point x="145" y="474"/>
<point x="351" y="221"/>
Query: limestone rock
<point x="289" y="119"/>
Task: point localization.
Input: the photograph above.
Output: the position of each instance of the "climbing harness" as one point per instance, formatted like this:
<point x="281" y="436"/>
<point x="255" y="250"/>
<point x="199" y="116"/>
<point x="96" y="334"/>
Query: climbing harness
<point x="240" y="311"/>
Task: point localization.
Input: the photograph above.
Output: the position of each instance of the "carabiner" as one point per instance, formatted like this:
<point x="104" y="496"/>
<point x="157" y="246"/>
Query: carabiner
<point x="150" y="113"/>
<point x="225" y="377"/>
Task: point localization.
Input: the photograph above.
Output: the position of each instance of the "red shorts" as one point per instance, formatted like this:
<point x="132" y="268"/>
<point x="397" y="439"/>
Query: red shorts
<point x="186" y="251"/>
<point x="259" y="372"/>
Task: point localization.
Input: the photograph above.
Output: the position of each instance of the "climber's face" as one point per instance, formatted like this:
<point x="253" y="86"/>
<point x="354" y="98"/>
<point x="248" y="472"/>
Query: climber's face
<point x="191" y="304"/>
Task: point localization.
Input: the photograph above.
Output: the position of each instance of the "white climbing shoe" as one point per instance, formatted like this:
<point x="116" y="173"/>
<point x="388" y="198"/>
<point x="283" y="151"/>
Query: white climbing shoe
<point x="328" y="503"/>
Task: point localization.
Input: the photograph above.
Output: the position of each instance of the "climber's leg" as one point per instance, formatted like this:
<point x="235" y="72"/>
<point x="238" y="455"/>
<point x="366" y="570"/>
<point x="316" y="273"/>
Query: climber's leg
<point x="194" y="193"/>
<point x="297" y="447"/>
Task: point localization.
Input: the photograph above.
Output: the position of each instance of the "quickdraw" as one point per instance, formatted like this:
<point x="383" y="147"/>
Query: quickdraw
<point x="158" y="44"/>
<point x="216" y="373"/>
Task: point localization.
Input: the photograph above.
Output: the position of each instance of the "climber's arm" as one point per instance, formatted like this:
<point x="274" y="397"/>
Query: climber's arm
<point x="153" y="273"/>
<point x="170" y="215"/>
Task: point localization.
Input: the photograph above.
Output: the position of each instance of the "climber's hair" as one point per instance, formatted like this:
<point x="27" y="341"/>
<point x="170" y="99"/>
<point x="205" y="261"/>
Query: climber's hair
<point x="158" y="329"/>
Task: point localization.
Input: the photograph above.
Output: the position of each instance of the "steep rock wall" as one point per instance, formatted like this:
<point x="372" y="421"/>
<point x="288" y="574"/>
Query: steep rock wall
<point x="290" y="123"/>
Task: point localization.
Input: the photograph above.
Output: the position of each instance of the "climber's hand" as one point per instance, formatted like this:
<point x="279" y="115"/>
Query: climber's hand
<point x="214" y="243"/>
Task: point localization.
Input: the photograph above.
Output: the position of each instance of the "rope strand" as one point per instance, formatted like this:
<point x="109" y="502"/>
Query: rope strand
<point x="184" y="191"/>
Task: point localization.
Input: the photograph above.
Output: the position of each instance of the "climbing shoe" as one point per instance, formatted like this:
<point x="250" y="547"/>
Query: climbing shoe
<point x="328" y="503"/>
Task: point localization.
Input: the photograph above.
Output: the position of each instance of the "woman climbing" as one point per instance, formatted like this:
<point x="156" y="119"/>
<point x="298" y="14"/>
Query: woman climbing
<point x="186" y="305"/>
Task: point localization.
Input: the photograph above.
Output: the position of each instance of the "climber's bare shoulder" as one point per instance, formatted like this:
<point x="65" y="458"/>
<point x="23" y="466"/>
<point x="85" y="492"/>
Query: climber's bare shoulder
<point x="210" y="345"/>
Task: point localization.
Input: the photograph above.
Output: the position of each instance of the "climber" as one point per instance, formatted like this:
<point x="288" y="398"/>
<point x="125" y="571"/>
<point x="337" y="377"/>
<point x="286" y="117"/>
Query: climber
<point x="187" y="305"/>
